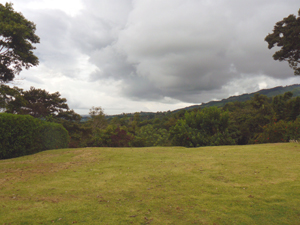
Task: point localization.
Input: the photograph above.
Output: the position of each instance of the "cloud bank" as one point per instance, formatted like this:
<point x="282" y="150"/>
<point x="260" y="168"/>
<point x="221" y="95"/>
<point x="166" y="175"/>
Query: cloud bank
<point x="153" y="55"/>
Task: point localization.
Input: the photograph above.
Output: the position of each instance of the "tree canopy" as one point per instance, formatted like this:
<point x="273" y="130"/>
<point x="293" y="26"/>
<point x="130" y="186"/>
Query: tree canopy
<point x="40" y="103"/>
<point x="286" y="34"/>
<point x="35" y="102"/>
<point x="17" y="35"/>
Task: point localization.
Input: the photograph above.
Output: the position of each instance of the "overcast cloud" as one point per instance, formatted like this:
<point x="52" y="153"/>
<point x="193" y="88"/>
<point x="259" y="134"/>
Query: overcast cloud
<point x="154" y="55"/>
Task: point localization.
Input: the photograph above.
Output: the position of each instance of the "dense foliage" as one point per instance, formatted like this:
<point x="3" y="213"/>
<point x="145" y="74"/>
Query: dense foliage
<point x="247" y="119"/>
<point x="17" y="35"/>
<point x="282" y="131"/>
<point x="35" y="102"/>
<point x="248" y="122"/>
<point x="286" y="35"/>
<point x="23" y="135"/>
<point x="261" y="119"/>
<point x="43" y="105"/>
<point x="201" y="128"/>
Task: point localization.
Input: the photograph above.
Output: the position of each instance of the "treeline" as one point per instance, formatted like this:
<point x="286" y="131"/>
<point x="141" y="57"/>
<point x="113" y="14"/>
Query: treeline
<point x="259" y="120"/>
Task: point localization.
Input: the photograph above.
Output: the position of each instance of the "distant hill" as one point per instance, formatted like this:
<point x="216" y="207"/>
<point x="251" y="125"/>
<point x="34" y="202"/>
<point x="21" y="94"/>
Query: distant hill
<point x="148" y="115"/>
<point x="295" y="89"/>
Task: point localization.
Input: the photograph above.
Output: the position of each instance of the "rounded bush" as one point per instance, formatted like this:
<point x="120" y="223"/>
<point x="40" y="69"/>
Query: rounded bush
<point x="22" y="135"/>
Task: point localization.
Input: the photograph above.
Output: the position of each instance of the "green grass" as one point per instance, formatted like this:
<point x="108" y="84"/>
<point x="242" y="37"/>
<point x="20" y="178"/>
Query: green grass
<point x="253" y="184"/>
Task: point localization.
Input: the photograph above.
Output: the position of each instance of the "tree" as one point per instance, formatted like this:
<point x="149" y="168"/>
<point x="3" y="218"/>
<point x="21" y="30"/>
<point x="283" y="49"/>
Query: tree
<point x="37" y="103"/>
<point x="41" y="104"/>
<point x="8" y="95"/>
<point x="17" y="35"/>
<point x="151" y="136"/>
<point x="97" y="120"/>
<point x="210" y="126"/>
<point x="286" y="34"/>
<point x="280" y="103"/>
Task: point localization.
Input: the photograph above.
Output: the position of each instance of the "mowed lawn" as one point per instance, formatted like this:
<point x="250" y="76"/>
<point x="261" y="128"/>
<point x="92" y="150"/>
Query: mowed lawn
<point x="253" y="184"/>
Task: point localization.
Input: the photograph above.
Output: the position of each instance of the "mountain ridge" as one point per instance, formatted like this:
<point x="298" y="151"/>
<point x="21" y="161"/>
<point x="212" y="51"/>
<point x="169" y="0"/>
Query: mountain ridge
<point x="270" y="92"/>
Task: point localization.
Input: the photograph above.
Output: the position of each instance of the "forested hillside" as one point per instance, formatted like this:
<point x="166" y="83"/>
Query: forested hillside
<point x="271" y="92"/>
<point x="295" y="89"/>
<point x="261" y="119"/>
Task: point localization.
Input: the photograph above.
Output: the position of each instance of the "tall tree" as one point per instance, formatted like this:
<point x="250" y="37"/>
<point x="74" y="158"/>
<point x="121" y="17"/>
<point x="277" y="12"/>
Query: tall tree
<point x="9" y="95"/>
<point x="37" y="103"/>
<point x="40" y="103"/>
<point x="97" y="120"/>
<point x="280" y="105"/>
<point x="286" y="34"/>
<point x="17" y="35"/>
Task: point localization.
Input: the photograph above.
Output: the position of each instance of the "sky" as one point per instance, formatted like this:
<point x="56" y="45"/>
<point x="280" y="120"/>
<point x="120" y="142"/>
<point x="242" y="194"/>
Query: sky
<point x="153" y="55"/>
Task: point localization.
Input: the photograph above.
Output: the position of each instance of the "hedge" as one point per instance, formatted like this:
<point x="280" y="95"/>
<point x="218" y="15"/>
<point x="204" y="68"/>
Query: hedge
<point x="23" y="135"/>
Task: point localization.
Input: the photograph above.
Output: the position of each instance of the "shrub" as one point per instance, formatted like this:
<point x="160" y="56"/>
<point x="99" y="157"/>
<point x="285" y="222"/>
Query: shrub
<point x="281" y="131"/>
<point x="150" y="136"/>
<point x="22" y="135"/>
<point x="53" y="135"/>
<point x="111" y="136"/>
<point x="210" y="126"/>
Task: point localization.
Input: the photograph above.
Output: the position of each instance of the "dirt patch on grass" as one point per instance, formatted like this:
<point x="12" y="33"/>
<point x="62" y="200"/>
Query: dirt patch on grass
<point x="45" y="164"/>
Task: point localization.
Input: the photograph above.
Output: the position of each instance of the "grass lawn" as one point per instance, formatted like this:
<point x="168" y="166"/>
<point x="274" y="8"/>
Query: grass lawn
<point x="253" y="184"/>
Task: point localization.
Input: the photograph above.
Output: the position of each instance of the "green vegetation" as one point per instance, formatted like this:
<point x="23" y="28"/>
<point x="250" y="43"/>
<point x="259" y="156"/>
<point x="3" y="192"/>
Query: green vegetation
<point x="252" y="184"/>
<point x="208" y="127"/>
<point x="23" y="135"/>
<point x="286" y="36"/>
<point x="37" y="103"/>
<point x="44" y="106"/>
<point x="271" y="92"/>
<point x="17" y="35"/>
<point x="239" y="120"/>
<point x="236" y="123"/>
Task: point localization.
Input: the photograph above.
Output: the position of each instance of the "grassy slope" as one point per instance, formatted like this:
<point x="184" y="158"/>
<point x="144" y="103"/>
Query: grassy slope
<point x="254" y="184"/>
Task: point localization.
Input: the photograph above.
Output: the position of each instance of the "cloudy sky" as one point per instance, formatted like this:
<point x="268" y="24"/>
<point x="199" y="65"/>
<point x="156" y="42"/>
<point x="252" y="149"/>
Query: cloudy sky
<point x="153" y="55"/>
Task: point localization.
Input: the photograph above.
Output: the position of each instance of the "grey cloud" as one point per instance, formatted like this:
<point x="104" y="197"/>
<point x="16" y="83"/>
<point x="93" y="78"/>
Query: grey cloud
<point x="182" y="49"/>
<point x="56" y="51"/>
<point x="98" y="24"/>
<point x="111" y="64"/>
<point x="91" y="33"/>
<point x="139" y="88"/>
<point x="35" y="80"/>
<point x="190" y="51"/>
